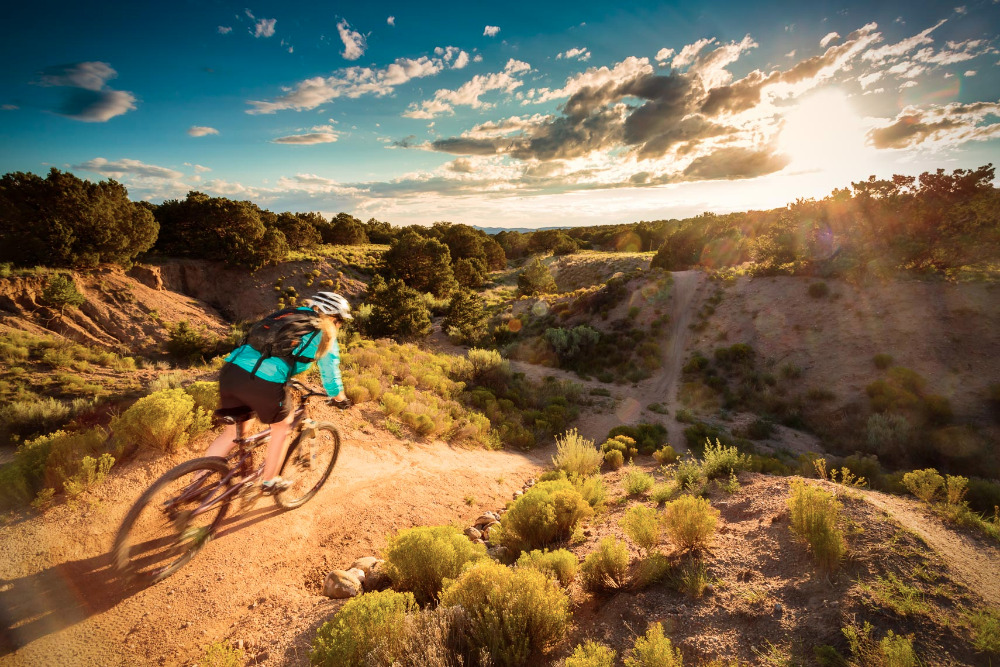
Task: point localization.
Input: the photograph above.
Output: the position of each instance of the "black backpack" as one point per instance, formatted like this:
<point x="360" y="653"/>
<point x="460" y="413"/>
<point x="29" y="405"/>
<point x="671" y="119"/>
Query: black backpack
<point x="278" y="334"/>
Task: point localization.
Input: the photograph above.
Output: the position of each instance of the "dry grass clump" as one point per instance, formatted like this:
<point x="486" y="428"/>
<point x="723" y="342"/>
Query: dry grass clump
<point x="815" y="517"/>
<point x="891" y="651"/>
<point x="690" y="522"/>
<point x="606" y="569"/>
<point x="576" y="455"/>
<point x="721" y="461"/>
<point x="924" y="484"/>
<point x="665" y="455"/>
<point x="614" y="459"/>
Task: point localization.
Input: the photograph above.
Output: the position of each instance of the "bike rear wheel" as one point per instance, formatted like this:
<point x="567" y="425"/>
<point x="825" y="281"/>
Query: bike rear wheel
<point x="309" y="464"/>
<point x="172" y="520"/>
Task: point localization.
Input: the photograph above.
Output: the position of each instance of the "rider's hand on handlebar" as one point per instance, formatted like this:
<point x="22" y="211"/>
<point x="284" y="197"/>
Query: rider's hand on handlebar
<point x="343" y="404"/>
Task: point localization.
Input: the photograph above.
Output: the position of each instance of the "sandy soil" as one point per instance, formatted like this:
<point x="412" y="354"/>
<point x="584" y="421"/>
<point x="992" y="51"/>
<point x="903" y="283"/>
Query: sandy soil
<point x="259" y="582"/>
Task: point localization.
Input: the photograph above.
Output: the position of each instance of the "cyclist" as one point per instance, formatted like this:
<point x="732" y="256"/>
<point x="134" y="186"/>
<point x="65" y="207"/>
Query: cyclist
<point x="250" y="379"/>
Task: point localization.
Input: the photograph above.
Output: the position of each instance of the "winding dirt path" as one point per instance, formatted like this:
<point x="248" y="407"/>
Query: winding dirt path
<point x="975" y="562"/>
<point x="258" y="582"/>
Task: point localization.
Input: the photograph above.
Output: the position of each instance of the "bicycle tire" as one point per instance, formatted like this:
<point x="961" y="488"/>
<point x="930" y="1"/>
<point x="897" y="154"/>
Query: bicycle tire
<point x="308" y="465"/>
<point x="159" y="535"/>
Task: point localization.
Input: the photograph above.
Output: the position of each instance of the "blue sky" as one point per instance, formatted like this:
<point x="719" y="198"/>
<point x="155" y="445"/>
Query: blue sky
<point x="499" y="114"/>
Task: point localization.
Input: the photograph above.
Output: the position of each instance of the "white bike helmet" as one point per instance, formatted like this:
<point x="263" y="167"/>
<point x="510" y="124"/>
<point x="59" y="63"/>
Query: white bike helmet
<point x="330" y="303"/>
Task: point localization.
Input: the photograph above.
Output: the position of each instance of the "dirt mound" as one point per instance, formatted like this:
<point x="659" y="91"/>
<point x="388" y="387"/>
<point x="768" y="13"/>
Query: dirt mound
<point x="585" y="269"/>
<point x="119" y="312"/>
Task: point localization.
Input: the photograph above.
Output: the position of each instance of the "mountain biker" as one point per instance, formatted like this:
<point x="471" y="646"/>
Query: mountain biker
<point x="251" y="379"/>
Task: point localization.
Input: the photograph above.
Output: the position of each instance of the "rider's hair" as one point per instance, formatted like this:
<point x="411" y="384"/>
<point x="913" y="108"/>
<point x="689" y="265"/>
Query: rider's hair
<point x="329" y="333"/>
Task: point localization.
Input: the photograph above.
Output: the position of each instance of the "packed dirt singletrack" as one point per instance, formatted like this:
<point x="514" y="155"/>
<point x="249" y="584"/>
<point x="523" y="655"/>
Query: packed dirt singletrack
<point x="258" y="583"/>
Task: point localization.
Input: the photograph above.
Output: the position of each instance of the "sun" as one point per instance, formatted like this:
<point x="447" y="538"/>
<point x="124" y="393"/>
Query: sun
<point x="824" y="132"/>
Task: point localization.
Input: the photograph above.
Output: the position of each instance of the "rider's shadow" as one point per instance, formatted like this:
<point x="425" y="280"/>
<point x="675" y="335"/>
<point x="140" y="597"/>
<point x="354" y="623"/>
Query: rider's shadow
<point x="60" y="596"/>
<point x="57" y="597"/>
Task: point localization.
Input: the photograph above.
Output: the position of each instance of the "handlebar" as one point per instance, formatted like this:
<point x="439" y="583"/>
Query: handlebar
<point x="306" y="392"/>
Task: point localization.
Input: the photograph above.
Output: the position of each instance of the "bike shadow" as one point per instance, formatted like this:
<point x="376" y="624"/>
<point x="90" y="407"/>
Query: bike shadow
<point x="60" y="596"/>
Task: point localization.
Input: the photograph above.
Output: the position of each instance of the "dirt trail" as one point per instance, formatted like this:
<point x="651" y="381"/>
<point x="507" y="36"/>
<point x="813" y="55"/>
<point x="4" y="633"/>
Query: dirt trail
<point x="974" y="562"/>
<point x="686" y="284"/>
<point x="258" y="582"/>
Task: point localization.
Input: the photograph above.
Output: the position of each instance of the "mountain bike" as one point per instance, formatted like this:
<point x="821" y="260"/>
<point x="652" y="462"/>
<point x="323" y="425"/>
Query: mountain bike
<point x="182" y="510"/>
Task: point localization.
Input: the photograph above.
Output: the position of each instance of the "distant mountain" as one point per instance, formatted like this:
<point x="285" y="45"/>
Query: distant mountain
<point x="497" y="230"/>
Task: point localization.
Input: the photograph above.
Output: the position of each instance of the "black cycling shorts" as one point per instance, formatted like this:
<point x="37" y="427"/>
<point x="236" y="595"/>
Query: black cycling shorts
<point x="239" y="388"/>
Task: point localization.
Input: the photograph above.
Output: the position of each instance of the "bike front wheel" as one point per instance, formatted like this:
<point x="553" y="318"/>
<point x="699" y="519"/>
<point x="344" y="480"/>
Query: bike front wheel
<point x="172" y="520"/>
<point x="309" y="464"/>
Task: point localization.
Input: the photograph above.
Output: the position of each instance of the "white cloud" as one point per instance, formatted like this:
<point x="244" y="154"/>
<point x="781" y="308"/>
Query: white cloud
<point x="468" y="94"/>
<point x="119" y="168"/>
<point x="970" y="72"/>
<point x="960" y="10"/>
<point x="491" y="31"/>
<point x="908" y="84"/>
<point x="264" y="28"/>
<point x="711" y="66"/>
<point x="790" y="54"/>
<point x="830" y="37"/>
<point x="689" y="52"/>
<point x="225" y="29"/>
<point x="87" y="75"/>
<point x="9" y="107"/>
<point x="307" y="139"/>
<point x="201" y="131"/>
<point x="354" y="41"/>
<point x="461" y="61"/>
<point x="478" y="58"/>
<point x="594" y="77"/>
<point x="664" y="54"/>
<point x="578" y="53"/>
<point x="391" y="20"/>
<point x="903" y="47"/>
<point x="351" y="82"/>
<point x="199" y="169"/>
<point x="955" y="52"/>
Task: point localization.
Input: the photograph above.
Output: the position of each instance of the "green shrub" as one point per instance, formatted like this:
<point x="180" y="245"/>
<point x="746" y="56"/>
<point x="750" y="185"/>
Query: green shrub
<point x="60" y="292"/>
<point x="891" y="651"/>
<point x="67" y="451"/>
<point x="986" y="630"/>
<point x="187" y="343"/>
<point x="984" y="494"/>
<point x="592" y="489"/>
<point x="690" y="522"/>
<point x="591" y="654"/>
<point x="535" y="279"/>
<point x="222" y="654"/>
<point x="164" y="420"/>
<point x="576" y="455"/>
<point x="637" y="482"/>
<point x="721" y="461"/>
<point x="642" y="525"/>
<point x="815" y="517"/>
<point x="647" y="437"/>
<point x="614" y="458"/>
<point x="653" y="569"/>
<point x="692" y="578"/>
<point x="514" y="614"/>
<point x="889" y="435"/>
<point x="924" y="484"/>
<point x="359" y="627"/>
<point x="654" y="650"/>
<point x="546" y="514"/>
<point x="561" y="564"/>
<point x="606" y="569"/>
<point x="661" y="493"/>
<point x="882" y="361"/>
<point x="205" y="395"/>
<point x="419" y="559"/>
<point x="27" y="419"/>
<point x="954" y="488"/>
<point x="665" y="455"/>
<point x="689" y="475"/>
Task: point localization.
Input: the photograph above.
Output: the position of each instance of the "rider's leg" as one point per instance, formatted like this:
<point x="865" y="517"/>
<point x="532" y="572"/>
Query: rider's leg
<point x="223" y="443"/>
<point x="276" y="447"/>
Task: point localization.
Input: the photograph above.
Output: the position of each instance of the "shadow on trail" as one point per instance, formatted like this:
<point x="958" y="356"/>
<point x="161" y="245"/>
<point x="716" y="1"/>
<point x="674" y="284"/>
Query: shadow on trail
<point x="60" y="596"/>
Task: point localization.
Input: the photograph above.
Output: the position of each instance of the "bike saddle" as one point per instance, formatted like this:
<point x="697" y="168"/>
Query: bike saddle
<point x="233" y="415"/>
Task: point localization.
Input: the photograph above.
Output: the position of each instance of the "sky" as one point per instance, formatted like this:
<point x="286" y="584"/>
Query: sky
<point x="507" y="114"/>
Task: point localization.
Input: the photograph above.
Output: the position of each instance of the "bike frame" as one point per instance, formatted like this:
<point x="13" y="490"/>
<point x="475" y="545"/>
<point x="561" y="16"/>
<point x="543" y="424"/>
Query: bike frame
<point x="239" y="460"/>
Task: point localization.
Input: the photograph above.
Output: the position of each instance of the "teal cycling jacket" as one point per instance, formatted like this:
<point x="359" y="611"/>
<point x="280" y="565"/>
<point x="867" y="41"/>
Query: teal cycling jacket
<point x="276" y="369"/>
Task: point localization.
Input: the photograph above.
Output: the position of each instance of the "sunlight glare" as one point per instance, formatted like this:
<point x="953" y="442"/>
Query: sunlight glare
<point x="824" y="132"/>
